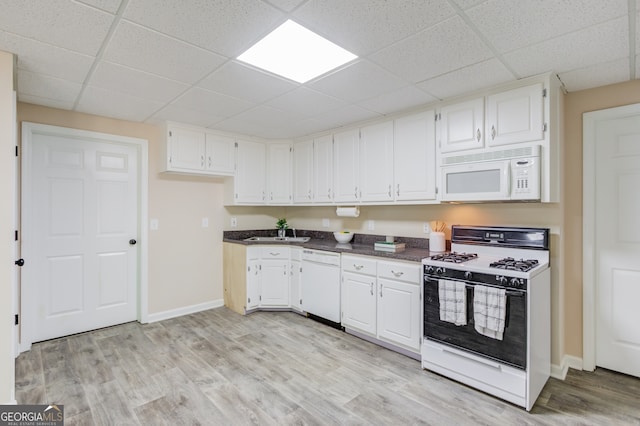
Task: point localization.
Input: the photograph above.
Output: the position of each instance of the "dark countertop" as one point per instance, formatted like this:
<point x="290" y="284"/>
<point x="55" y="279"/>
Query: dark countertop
<point x="362" y="244"/>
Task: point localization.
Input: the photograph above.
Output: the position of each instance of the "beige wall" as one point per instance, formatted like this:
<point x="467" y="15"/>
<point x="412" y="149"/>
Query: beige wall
<point x="575" y="105"/>
<point x="7" y="225"/>
<point x="185" y="260"/>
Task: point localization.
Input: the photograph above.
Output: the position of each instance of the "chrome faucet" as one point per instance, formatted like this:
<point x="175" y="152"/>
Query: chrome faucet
<point x="294" y="232"/>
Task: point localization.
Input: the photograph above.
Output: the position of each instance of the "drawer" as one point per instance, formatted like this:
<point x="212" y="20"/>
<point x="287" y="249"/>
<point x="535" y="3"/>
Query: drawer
<point x="274" y="252"/>
<point x="359" y="265"/>
<point x="399" y="271"/>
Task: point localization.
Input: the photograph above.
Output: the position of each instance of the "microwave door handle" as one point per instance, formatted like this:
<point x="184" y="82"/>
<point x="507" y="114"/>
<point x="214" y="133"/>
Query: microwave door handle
<point x="508" y="174"/>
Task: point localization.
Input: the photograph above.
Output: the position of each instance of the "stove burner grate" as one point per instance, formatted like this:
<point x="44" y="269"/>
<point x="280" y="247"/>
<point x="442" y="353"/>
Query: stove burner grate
<point x="522" y="265"/>
<point x="454" y="257"/>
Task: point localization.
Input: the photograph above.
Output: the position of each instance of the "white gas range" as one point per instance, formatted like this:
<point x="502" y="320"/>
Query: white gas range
<point x="509" y="267"/>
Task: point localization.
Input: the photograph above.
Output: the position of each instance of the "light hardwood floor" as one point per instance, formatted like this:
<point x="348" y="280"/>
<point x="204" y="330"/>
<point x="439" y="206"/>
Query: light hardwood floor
<point x="268" y="368"/>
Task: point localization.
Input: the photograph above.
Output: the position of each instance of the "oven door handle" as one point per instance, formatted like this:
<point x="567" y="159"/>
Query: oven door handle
<point x="511" y="293"/>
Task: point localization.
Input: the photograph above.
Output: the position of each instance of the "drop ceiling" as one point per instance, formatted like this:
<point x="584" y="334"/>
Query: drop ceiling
<point x="157" y="60"/>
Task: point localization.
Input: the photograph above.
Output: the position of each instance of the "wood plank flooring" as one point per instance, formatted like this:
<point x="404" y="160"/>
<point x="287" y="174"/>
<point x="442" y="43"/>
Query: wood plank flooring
<point x="273" y="368"/>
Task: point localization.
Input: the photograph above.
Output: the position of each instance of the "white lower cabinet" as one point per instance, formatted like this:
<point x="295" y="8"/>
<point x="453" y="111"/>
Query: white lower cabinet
<point x="295" y="279"/>
<point x="268" y="272"/>
<point x="254" y="278"/>
<point x="383" y="300"/>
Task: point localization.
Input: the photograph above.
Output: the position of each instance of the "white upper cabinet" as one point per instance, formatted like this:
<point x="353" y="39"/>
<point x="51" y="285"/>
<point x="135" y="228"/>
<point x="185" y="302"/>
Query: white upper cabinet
<point x="461" y="126"/>
<point x="323" y="169"/>
<point x="303" y="172"/>
<point x="515" y="116"/>
<point x="414" y="157"/>
<point x="376" y="164"/>
<point x="195" y="151"/>
<point x="346" y="161"/>
<point x="279" y="173"/>
<point x="249" y="184"/>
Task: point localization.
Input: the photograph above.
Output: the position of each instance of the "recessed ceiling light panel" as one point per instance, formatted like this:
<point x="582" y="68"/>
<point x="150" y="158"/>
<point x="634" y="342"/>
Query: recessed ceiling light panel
<point x="294" y="52"/>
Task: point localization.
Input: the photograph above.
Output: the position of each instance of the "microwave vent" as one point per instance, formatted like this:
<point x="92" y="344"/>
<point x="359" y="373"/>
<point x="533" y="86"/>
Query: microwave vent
<point x="527" y="151"/>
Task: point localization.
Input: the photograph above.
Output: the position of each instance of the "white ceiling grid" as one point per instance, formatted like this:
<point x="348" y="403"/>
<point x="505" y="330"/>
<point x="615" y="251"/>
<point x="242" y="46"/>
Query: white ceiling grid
<point x="157" y="60"/>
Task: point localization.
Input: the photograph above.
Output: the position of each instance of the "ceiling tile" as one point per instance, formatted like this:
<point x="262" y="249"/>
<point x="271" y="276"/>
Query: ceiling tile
<point x="344" y="116"/>
<point x="135" y="83"/>
<point x="63" y="23"/>
<point x="51" y="103"/>
<point x="106" y="102"/>
<point x="440" y="49"/>
<point x="110" y="6"/>
<point x="534" y="21"/>
<point x="242" y="82"/>
<point x="467" y="4"/>
<point x="357" y="81"/>
<point x="47" y="87"/>
<point x="42" y="58"/>
<point x="363" y="26"/>
<point x="306" y="102"/>
<point x="397" y="100"/>
<point x="150" y="51"/>
<point x="597" y="75"/>
<point x="269" y="122"/>
<point x="286" y="5"/>
<point x="182" y="115"/>
<point x="214" y="103"/>
<point x="601" y="43"/>
<point x="468" y="79"/>
<point x="223" y="26"/>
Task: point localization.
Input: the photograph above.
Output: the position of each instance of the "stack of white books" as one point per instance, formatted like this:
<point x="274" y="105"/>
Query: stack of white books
<point x="388" y="246"/>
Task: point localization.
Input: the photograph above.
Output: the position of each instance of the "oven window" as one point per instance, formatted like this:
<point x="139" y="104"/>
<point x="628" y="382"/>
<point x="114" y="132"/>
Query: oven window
<point x="473" y="182"/>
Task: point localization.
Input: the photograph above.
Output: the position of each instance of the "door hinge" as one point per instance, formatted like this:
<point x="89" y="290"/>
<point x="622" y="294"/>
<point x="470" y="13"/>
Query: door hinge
<point x="17" y="151"/>
<point x="544" y="127"/>
<point x="15" y="235"/>
<point x="16" y="320"/>
<point x="300" y="301"/>
<point x="544" y="93"/>
<point x="170" y="133"/>
<point x="260" y="298"/>
<point x="235" y="144"/>
<point x="436" y="189"/>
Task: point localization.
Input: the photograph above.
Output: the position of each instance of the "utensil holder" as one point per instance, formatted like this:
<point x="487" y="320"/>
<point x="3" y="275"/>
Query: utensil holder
<point x="437" y="242"/>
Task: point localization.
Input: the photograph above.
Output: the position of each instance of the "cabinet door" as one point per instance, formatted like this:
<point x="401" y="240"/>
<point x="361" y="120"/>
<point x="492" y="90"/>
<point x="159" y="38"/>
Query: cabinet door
<point x="220" y="155"/>
<point x="253" y="283"/>
<point x="279" y="176"/>
<point x="295" y="281"/>
<point x="515" y="116"/>
<point x="186" y="149"/>
<point x="346" y="160"/>
<point x="323" y="169"/>
<point x="399" y="313"/>
<point x="303" y="172"/>
<point x="414" y="157"/>
<point x="249" y="182"/>
<point x="359" y="302"/>
<point x="275" y="283"/>
<point x="460" y="126"/>
<point x="376" y="162"/>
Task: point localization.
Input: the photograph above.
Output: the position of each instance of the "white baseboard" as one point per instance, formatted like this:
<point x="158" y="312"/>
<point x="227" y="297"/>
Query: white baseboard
<point x="568" y="361"/>
<point x="186" y="310"/>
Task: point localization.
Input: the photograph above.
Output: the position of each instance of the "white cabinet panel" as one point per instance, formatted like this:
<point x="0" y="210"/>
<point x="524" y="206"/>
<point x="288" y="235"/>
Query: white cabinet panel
<point x="186" y="149"/>
<point x="279" y="173"/>
<point x="461" y="126"/>
<point x="253" y="283"/>
<point x="414" y="157"/>
<point x="275" y="282"/>
<point x="192" y="150"/>
<point x="399" y="312"/>
<point x="323" y="169"/>
<point x="220" y="154"/>
<point x="515" y="116"/>
<point x="346" y="166"/>
<point x="295" y="279"/>
<point x="249" y="183"/>
<point x="303" y="172"/>
<point x="375" y="178"/>
<point x="359" y="302"/>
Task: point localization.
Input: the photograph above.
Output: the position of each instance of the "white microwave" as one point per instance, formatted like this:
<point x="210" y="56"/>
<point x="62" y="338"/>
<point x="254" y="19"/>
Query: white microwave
<point x="509" y="175"/>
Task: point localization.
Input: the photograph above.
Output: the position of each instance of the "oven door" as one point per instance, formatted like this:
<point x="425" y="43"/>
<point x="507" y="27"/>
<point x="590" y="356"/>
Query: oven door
<point x="511" y="350"/>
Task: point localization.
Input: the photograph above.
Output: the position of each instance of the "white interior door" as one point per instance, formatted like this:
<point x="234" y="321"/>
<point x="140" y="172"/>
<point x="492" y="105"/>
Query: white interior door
<point x="80" y="202"/>
<point x="615" y="199"/>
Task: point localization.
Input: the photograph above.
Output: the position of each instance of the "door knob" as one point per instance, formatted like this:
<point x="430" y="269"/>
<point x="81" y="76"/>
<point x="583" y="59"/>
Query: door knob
<point x="19" y="262"/>
<point x="132" y="242"/>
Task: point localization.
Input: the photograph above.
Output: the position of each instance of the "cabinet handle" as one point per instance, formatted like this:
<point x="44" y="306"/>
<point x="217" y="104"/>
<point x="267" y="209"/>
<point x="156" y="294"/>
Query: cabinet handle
<point x="329" y="193"/>
<point x="274" y="254"/>
<point x="397" y="274"/>
<point x="398" y="190"/>
<point x="380" y="290"/>
<point x="202" y="161"/>
<point x="389" y="190"/>
<point x="357" y="267"/>
<point x="493" y="132"/>
<point x="309" y="195"/>
<point x="355" y="194"/>
<point x="372" y="288"/>
<point x="209" y="162"/>
<point x="478" y="135"/>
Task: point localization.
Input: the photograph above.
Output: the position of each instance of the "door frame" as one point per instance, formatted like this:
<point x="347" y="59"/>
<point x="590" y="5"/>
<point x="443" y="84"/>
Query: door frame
<point x="589" y="267"/>
<point x="142" y="147"/>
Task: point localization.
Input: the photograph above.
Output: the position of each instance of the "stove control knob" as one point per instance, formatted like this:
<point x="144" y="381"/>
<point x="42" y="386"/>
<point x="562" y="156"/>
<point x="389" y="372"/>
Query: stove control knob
<point x="428" y="269"/>
<point x="501" y="279"/>
<point x="515" y="282"/>
<point x="468" y="275"/>
<point x="440" y="271"/>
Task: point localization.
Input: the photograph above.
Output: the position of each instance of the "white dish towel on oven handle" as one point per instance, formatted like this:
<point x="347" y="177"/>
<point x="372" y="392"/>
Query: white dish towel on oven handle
<point x="453" y="301"/>
<point x="489" y="306"/>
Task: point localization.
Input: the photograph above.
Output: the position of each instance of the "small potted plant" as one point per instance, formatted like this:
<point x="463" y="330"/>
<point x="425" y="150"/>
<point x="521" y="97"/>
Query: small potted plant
<point x="282" y="226"/>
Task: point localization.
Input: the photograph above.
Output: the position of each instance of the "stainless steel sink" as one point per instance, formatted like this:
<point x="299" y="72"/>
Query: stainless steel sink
<point x="279" y="239"/>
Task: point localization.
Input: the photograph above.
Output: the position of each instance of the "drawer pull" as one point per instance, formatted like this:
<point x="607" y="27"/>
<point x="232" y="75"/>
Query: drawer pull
<point x="397" y="274"/>
<point x="357" y="267"/>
